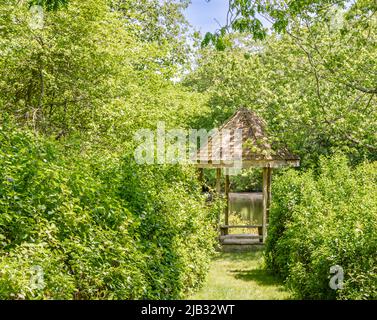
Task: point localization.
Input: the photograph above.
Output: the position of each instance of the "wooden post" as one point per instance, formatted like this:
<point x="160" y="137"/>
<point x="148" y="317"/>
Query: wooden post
<point x="227" y="183"/>
<point x="201" y="174"/>
<point x="201" y="180"/>
<point x="218" y="190"/>
<point x="218" y="181"/>
<point x="269" y="182"/>
<point x="265" y="203"/>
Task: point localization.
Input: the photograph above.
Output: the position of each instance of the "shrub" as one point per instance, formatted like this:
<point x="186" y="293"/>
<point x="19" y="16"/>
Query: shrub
<point x="99" y="226"/>
<point x="325" y="219"/>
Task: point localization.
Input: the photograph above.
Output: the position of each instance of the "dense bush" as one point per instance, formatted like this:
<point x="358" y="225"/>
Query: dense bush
<point x="323" y="219"/>
<point x="99" y="227"/>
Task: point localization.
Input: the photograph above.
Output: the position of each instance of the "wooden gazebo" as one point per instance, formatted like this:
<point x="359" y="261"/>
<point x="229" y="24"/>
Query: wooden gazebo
<point x="248" y="146"/>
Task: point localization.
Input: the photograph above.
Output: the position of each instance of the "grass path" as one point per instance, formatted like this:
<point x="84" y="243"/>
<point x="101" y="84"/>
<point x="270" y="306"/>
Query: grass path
<point x="240" y="276"/>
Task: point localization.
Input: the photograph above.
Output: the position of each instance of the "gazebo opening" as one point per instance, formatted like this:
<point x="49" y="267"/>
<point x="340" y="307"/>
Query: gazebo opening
<point x="241" y="142"/>
<point x="245" y="208"/>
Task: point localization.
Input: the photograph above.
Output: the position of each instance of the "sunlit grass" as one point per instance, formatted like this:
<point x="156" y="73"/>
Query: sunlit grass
<point x="240" y="276"/>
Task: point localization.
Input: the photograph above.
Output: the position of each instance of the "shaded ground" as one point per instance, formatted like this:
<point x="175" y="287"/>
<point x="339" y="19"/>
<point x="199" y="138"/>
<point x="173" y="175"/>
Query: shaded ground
<point x="240" y="276"/>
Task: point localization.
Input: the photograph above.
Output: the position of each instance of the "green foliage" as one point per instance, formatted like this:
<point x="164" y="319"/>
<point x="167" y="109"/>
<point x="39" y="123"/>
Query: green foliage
<point x="50" y="5"/>
<point x="174" y="226"/>
<point x="252" y="17"/>
<point x="57" y="215"/>
<point x="72" y="199"/>
<point x="325" y="219"/>
<point x="315" y="87"/>
<point x="161" y="23"/>
<point x="99" y="227"/>
<point x="59" y="78"/>
<point x="74" y="91"/>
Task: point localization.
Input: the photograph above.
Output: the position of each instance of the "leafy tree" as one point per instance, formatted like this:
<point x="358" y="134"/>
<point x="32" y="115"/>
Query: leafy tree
<point x="73" y="201"/>
<point x="161" y="23"/>
<point x="257" y="17"/>
<point x="58" y="79"/>
<point x="314" y="85"/>
<point x="50" y="5"/>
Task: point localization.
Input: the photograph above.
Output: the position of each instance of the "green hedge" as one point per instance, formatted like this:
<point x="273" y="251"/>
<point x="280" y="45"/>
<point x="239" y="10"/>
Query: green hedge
<point x="323" y="219"/>
<point x="99" y="226"/>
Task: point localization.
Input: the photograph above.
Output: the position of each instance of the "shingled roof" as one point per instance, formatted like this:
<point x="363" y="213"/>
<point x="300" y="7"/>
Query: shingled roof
<point x="252" y="148"/>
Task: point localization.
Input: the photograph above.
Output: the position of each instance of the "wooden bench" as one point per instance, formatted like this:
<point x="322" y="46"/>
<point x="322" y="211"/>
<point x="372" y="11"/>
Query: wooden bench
<point x="224" y="229"/>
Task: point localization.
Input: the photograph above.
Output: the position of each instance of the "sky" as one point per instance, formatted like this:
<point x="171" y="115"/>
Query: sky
<point x="202" y="14"/>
